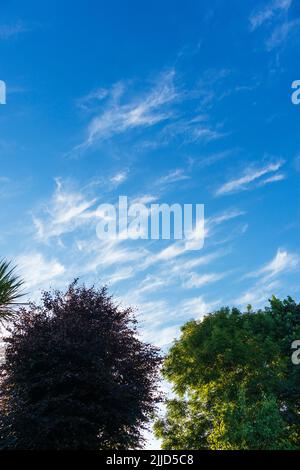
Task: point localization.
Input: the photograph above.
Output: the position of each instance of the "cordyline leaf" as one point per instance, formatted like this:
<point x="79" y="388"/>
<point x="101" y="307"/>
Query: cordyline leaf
<point x="10" y="285"/>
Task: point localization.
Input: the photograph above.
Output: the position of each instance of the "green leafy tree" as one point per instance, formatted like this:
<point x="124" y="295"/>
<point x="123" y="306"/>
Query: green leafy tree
<point x="10" y="285"/>
<point x="235" y="382"/>
<point x="76" y="375"/>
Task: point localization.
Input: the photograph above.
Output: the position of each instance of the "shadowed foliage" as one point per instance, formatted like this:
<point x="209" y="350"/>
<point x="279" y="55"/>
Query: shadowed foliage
<point x="76" y="375"/>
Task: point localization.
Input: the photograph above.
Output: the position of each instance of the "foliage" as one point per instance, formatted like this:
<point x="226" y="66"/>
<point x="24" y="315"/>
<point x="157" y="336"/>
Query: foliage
<point x="76" y="375"/>
<point x="235" y="383"/>
<point x="10" y="285"/>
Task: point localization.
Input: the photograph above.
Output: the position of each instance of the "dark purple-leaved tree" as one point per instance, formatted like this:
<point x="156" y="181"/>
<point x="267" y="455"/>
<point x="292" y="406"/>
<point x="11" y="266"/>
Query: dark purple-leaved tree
<point x="76" y="375"/>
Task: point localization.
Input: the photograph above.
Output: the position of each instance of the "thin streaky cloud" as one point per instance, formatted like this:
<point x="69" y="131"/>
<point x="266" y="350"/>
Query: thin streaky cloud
<point x="269" y="278"/>
<point x="268" y="12"/>
<point x="122" y="114"/>
<point x="275" y="13"/>
<point x="281" y="33"/>
<point x="144" y="199"/>
<point x="192" y="131"/>
<point x="66" y="211"/>
<point x="8" y="31"/>
<point x="250" y="175"/>
<point x="37" y="270"/>
<point x="119" y="178"/>
<point x="179" y="248"/>
<point x="208" y="160"/>
<point x="197" y="307"/>
<point x="283" y="261"/>
<point x="179" y="267"/>
<point x="273" y="179"/>
<point x="93" y="97"/>
<point x="229" y="214"/>
<point x="119" y="275"/>
<point x="173" y="177"/>
<point x="196" y="280"/>
<point x="256" y="296"/>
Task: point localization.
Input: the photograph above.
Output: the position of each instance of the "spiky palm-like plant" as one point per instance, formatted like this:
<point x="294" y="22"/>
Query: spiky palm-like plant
<point x="10" y="285"/>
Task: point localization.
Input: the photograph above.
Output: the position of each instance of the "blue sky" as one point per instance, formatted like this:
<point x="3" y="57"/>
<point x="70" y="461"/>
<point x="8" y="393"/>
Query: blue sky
<point x="176" y="102"/>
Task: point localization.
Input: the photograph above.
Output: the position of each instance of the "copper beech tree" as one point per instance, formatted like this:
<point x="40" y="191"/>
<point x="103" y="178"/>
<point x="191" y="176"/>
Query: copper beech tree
<point x="76" y="375"/>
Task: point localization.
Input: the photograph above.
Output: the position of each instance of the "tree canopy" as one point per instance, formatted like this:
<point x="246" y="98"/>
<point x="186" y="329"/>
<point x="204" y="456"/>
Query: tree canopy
<point x="76" y="375"/>
<point x="235" y="384"/>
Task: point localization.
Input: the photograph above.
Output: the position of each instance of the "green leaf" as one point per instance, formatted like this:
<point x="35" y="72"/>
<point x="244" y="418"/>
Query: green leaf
<point x="10" y="290"/>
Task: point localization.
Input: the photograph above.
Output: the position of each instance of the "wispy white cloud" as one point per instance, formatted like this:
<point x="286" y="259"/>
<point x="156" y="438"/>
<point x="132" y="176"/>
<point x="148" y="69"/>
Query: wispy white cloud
<point x="224" y="216"/>
<point x="8" y="31"/>
<point x="173" y="177"/>
<point x="121" y="114"/>
<point x="262" y="15"/>
<point x="196" y="280"/>
<point x="119" y="275"/>
<point x="192" y="130"/>
<point x="154" y="283"/>
<point x="250" y="175"/>
<point x="274" y="13"/>
<point x="161" y="337"/>
<point x="37" y="270"/>
<point x="67" y="211"/>
<point x="159" y="331"/>
<point x="203" y="161"/>
<point x="210" y="87"/>
<point x="111" y="253"/>
<point x="93" y="97"/>
<point x="179" y="272"/>
<point x="179" y="248"/>
<point x="281" y="33"/>
<point x="121" y="110"/>
<point x="258" y="294"/>
<point x="269" y="275"/>
<point x="197" y="307"/>
<point x="283" y="261"/>
<point x="183" y="266"/>
<point x="273" y="179"/>
<point x="144" y="199"/>
<point x="119" y="178"/>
